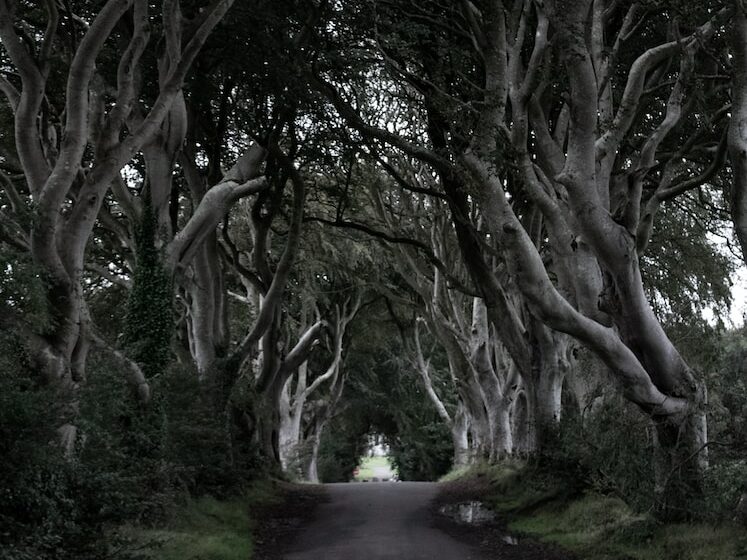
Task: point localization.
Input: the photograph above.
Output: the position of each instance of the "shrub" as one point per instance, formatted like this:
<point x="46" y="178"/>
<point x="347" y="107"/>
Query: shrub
<point x="609" y="451"/>
<point x="131" y="462"/>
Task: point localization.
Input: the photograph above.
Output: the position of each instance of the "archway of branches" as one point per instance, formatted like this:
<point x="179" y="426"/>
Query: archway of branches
<point x="245" y="235"/>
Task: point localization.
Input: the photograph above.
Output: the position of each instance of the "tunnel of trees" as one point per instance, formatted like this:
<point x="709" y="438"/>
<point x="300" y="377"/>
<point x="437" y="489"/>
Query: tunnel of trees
<point x="237" y="237"/>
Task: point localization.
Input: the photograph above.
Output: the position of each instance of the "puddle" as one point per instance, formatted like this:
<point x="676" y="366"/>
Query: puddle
<point x="469" y="513"/>
<point x="474" y="513"/>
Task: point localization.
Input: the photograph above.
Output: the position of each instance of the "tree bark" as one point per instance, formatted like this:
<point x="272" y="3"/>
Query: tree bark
<point x="738" y="127"/>
<point x="459" y="423"/>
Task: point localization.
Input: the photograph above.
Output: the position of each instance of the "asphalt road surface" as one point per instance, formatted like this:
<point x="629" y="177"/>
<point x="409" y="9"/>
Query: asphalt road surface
<point x="377" y="521"/>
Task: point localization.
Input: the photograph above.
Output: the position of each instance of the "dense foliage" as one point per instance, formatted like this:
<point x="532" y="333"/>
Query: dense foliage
<point x="133" y="464"/>
<point x="385" y="398"/>
<point x="148" y="327"/>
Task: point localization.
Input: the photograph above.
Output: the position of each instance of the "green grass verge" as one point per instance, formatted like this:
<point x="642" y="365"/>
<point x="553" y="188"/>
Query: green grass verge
<point x="206" y="528"/>
<point x="366" y="470"/>
<point x="596" y="526"/>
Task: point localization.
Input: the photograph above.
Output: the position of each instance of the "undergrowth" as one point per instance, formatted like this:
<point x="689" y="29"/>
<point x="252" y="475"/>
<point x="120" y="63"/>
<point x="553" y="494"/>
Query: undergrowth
<point x="535" y="502"/>
<point x="206" y="528"/>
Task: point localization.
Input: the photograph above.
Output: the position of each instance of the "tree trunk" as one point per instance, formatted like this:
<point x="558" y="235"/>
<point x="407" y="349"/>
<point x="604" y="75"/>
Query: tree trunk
<point x="459" y="436"/>
<point x="312" y="469"/>
<point x="82" y="167"/>
<point x="291" y="413"/>
<point x="550" y="365"/>
<point x="207" y="319"/>
<point x="268" y="395"/>
<point x="522" y="426"/>
<point x="680" y="461"/>
<point x="459" y="423"/>
<point x="738" y="128"/>
<point x="496" y="402"/>
<point x="287" y="436"/>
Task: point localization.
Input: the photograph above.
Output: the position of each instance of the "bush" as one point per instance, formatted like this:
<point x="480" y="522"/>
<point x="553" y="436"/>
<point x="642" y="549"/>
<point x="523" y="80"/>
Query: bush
<point x="131" y="463"/>
<point x="610" y="452"/>
<point x="50" y="507"/>
<point x="422" y="452"/>
<point x="725" y="482"/>
<point x="343" y="443"/>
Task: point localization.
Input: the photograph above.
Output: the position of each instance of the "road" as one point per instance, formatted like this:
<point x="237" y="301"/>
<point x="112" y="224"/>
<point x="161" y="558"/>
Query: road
<point x="377" y="521"/>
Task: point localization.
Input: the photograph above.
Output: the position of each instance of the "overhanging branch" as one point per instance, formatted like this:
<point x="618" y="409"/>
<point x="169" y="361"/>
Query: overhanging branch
<point x="398" y="240"/>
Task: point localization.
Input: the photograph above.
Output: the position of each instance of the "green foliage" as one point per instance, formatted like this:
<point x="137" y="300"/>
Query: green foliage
<point x="514" y="486"/>
<point x="149" y="322"/>
<point x="22" y="289"/>
<point x="610" y="451"/>
<point x="533" y="501"/>
<point x="343" y="443"/>
<point x="384" y="396"/>
<point x="726" y="478"/>
<point x="725" y="482"/>
<point x="421" y="451"/>
<point x="50" y="507"/>
<point x="605" y="528"/>
<point x="180" y="443"/>
<point x="132" y="463"/>
<point x="728" y="394"/>
<point x="683" y="272"/>
<point x="200" y="528"/>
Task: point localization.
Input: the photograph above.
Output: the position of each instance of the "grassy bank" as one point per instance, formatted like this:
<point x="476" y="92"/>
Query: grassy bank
<point x="592" y="525"/>
<point x="207" y="528"/>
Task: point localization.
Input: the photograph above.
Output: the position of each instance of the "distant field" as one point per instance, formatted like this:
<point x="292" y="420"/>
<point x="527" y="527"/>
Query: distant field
<point x="378" y="467"/>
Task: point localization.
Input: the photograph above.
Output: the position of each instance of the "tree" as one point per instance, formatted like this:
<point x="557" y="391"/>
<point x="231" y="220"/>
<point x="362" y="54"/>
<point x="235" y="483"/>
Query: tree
<point x="71" y="165"/>
<point x="738" y="124"/>
<point x="583" y="152"/>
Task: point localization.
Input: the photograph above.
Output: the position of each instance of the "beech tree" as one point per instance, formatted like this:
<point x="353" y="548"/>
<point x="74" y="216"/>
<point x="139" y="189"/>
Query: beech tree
<point x="548" y="184"/>
<point x="523" y="377"/>
<point x="71" y="146"/>
<point x="119" y="159"/>
<point x="738" y="125"/>
<point x="568" y="168"/>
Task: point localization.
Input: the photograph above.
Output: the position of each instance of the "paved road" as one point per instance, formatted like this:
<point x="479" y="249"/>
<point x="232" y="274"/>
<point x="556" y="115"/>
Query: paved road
<point x="377" y="521"/>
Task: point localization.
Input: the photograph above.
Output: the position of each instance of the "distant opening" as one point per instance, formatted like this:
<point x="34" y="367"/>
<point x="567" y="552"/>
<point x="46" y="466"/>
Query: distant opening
<point x="376" y="464"/>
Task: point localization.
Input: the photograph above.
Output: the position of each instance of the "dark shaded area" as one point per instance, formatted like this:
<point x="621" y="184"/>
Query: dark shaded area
<point x="277" y="523"/>
<point x="385" y="396"/>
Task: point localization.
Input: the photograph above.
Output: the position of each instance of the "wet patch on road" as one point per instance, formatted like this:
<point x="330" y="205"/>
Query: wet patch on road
<point x="470" y="513"/>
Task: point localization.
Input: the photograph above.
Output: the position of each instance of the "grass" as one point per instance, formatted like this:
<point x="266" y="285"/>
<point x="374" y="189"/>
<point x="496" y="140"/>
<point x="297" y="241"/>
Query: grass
<point x="605" y="528"/>
<point x="366" y="470"/>
<point x="596" y="526"/>
<point x="499" y="474"/>
<point x="206" y="528"/>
